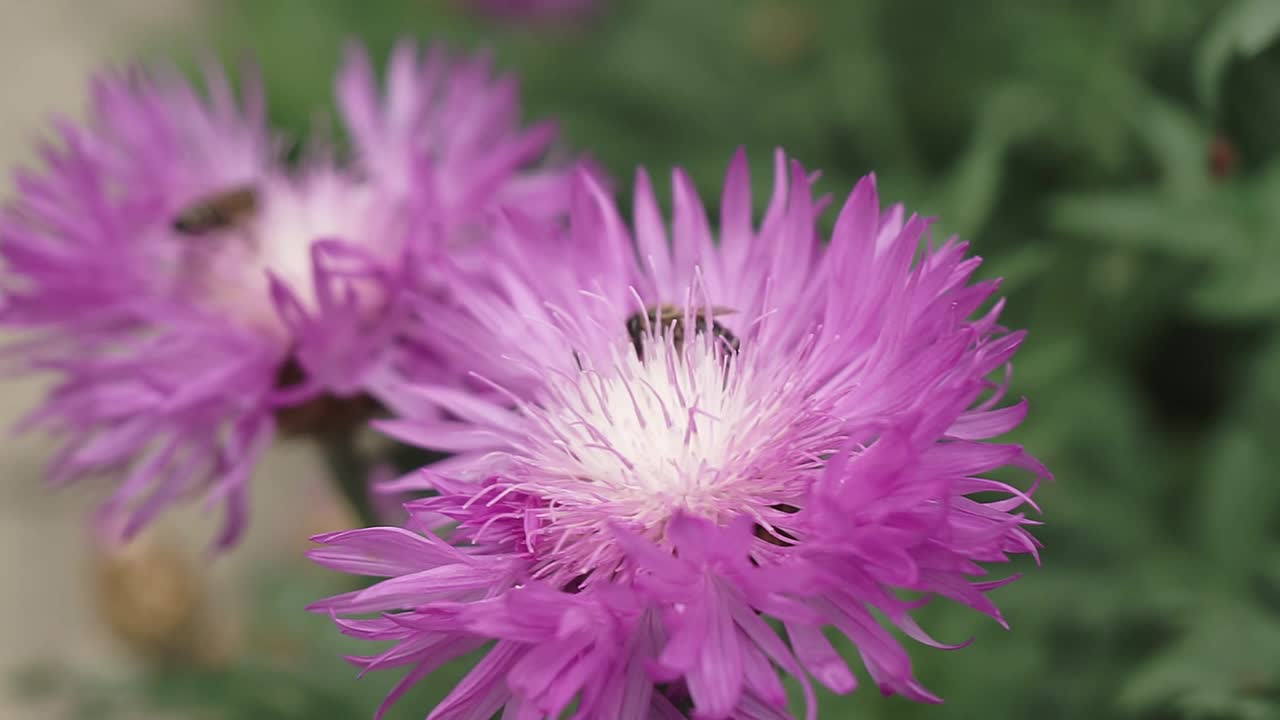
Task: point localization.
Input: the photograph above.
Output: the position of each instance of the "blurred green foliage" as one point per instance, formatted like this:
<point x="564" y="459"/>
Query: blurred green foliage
<point x="1118" y="163"/>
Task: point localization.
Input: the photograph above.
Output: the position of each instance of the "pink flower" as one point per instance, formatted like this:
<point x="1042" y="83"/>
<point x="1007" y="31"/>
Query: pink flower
<point x="802" y="436"/>
<point x="192" y="292"/>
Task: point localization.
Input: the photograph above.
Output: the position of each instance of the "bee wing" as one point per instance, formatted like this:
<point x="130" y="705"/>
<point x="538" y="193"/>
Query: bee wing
<point x="213" y="212"/>
<point x="667" y="313"/>
<point x="241" y="200"/>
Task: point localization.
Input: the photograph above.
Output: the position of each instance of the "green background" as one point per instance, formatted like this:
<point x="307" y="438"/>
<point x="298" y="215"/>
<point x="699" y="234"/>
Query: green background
<point x="1118" y="163"/>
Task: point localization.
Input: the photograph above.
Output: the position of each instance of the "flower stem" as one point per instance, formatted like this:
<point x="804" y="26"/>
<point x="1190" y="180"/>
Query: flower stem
<point x="350" y="471"/>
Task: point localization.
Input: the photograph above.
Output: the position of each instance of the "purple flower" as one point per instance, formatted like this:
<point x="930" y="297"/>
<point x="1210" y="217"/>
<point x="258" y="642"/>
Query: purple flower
<point x="194" y="294"/>
<point x="447" y="132"/>
<point x="801" y="435"/>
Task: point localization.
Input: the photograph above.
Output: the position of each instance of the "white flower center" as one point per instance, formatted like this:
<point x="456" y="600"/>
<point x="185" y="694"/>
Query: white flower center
<point x="229" y="266"/>
<point x="634" y="442"/>
<point x="684" y="429"/>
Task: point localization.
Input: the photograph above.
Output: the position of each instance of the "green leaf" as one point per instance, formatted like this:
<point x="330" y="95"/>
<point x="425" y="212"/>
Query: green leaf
<point x="1227" y="665"/>
<point x="1211" y="229"/>
<point x="1178" y="142"/>
<point x="1245" y="29"/>
<point x="1261" y="389"/>
<point x="1243" y="289"/>
<point x="1020" y="266"/>
<point x="968" y="195"/>
<point x="1241" y="497"/>
<point x="1242" y="284"/>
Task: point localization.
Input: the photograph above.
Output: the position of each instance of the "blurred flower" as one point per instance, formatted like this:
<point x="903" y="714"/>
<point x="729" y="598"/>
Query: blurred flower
<point x="447" y="133"/>
<point x="194" y="293"/>
<point x="155" y="600"/>
<point x="800" y="436"/>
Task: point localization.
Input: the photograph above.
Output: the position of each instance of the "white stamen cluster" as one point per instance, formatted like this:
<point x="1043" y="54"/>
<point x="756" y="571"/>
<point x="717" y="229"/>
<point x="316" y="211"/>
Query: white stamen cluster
<point x="235" y="262"/>
<point x="687" y="428"/>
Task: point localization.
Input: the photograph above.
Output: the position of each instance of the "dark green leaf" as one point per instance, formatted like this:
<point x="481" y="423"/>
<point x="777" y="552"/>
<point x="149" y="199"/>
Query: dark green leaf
<point x="1245" y="28"/>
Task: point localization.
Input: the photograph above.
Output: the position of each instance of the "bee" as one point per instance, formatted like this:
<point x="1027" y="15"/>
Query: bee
<point x="217" y="211"/>
<point x="660" y="318"/>
<point x="778" y="536"/>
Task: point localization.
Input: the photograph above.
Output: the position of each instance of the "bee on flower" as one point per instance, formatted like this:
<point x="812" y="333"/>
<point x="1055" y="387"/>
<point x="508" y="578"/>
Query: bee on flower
<point x="195" y="294"/>
<point x="677" y="435"/>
